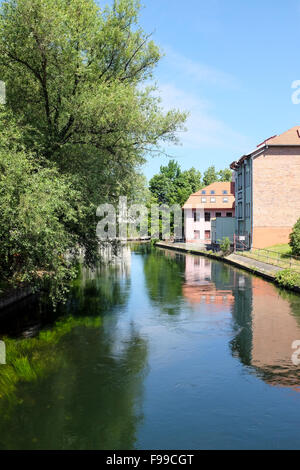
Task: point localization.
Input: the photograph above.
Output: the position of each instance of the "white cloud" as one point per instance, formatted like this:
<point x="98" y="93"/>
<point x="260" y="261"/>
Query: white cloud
<point x="198" y="72"/>
<point x="203" y="129"/>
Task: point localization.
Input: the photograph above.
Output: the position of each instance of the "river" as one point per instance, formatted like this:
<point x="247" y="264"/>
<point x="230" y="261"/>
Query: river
<point x="155" y="350"/>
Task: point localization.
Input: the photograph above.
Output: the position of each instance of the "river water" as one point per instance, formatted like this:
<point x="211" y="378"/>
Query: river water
<point x="155" y="350"/>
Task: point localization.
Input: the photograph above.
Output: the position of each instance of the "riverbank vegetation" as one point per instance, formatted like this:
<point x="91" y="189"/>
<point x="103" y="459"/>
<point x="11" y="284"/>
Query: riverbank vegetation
<point x="80" y="116"/>
<point x="288" y="278"/>
<point x="295" y="239"/>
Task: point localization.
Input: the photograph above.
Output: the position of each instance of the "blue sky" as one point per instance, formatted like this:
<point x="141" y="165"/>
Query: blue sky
<point x="231" y="63"/>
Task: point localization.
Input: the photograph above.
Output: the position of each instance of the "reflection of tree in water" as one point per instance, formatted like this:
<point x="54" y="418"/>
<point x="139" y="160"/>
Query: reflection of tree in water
<point x="98" y="291"/>
<point x="164" y="273"/>
<point x="92" y="402"/>
<point x="87" y="390"/>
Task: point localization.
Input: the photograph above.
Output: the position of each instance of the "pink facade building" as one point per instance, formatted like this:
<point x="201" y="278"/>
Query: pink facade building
<point x="215" y="200"/>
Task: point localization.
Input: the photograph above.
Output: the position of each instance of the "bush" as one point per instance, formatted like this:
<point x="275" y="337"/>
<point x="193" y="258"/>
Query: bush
<point x="225" y="246"/>
<point x="288" y="278"/>
<point x="295" y="239"/>
<point x="39" y="208"/>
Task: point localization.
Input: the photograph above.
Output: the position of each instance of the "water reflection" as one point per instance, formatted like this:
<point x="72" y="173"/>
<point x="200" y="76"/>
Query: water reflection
<point x="76" y="384"/>
<point x="269" y="324"/>
<point x="266" y="320"/>
<point x="154" y="349"/>
<point x="207" y="282"/>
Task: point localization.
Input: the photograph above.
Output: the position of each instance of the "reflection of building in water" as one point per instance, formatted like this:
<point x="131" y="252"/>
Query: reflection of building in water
<point x="267" y="328"/>
<point x="207" y="282"/>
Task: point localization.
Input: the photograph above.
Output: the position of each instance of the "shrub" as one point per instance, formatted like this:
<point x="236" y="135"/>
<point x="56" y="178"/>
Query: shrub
<point x="288" y="278"/>
<point x="225" y="246"/>
<point x="295" y="239"/>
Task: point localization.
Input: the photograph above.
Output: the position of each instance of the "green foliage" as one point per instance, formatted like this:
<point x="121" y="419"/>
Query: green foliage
<point x="288" y="278"/>
<point x="38" y="210"/>
<point x="75" y="76"/>
<point x="225" y="175"/>
<point x="295" y="239"/>
<point x="174" y="186"/>
<point x="211" y="175"/>
<point x="225" y="246"/>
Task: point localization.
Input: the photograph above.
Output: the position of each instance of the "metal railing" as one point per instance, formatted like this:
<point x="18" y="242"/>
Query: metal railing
<point x="276" y="258"/>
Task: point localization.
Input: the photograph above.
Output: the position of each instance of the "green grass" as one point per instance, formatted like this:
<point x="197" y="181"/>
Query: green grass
<point x="277" y="255"/>
<point x="284" y="249"/>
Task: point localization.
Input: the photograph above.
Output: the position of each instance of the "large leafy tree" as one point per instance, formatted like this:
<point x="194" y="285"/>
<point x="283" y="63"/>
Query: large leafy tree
<point x="76" y="75"/>
<point x="211" y="175"/>
<point x="172" y="185"/>
<point x="39" y="208"/>
<point x="77" y="78"/>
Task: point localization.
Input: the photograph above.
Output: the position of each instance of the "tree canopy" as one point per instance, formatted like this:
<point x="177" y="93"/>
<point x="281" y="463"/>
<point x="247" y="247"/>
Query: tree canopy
<point x="77" y="83"/>
<point x="173" y="186"/>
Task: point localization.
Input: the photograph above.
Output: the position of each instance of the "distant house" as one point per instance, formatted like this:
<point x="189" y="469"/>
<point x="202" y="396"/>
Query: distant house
<point x="215" y="200"/>
<point x="267" y="190"/>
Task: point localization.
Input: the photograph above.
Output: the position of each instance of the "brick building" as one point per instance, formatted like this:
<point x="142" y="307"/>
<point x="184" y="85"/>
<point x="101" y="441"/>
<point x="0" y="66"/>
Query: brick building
<point x="267" y="190"/>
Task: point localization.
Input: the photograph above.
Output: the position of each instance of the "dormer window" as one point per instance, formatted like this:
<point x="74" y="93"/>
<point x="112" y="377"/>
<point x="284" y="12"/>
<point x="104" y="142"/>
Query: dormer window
<point x="213" y="192"/>
<point x="225" y="191"/>
<point x="203" y="191"/>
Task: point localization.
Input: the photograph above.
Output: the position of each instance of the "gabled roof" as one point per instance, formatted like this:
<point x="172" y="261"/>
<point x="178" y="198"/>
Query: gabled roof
<point x="288" y="138"/>
<point x="195" y="200"/>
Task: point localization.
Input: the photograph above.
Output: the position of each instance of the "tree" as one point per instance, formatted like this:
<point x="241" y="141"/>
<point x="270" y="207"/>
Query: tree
<point x="295" y="239"/>
<point x="75" y="74"/>
<point x="210" y="176"/>
<point x="173" y="186"/>
<point x="225" y="175"/>
<point x="76" y="78"/>
<point x="39" y="208"/>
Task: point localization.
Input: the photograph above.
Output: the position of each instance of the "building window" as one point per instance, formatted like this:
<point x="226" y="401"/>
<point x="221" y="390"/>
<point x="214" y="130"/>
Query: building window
<point x="248" y="209"/>
<point x="197" y="234"/>
<point x="225" y="199"/>
<point x="225" y="191"/>
<point x="203" y="199"/>
<point x="218" y="214"/>
<point x="203" y="191"/>
<point x="212" y="199"/>
<point x="207" y="216"/>
<point x="247" y="178"/>
<point x="228" y="214"/>
<point x="207" y="234"/>
<point x="213" y="192"/>
<point x="240" y="210"/>
<point x="240" y="182"/>
<point x="196" y="215"/>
